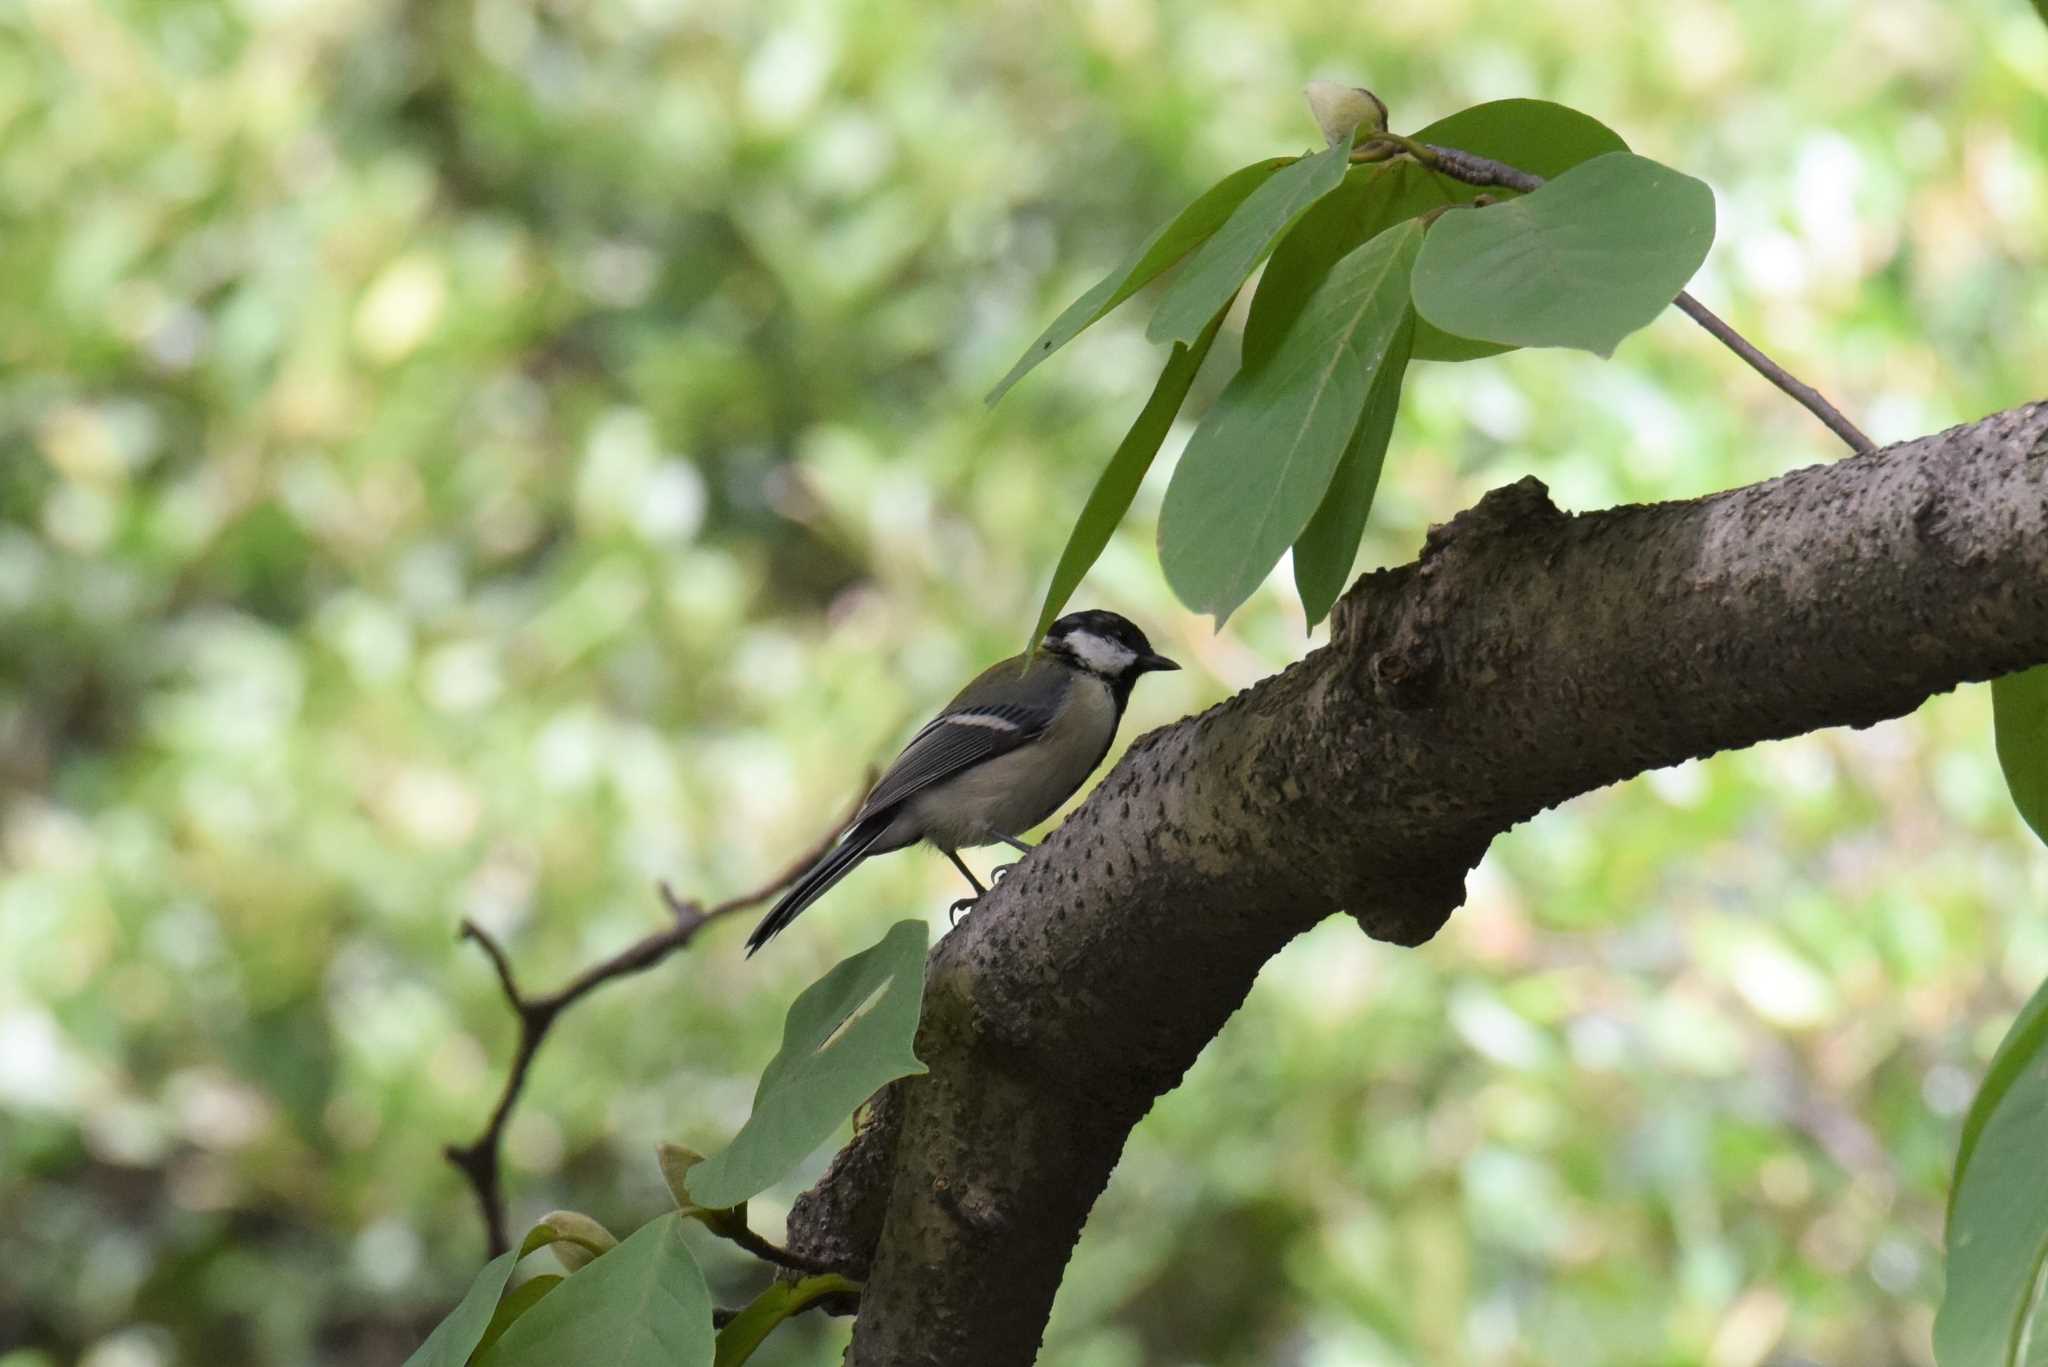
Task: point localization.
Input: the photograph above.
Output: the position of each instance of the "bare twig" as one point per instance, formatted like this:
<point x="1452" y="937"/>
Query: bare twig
<point x="1477" y="170"/>
<point x="478" y="1160"/>
<point x="775" y="1253"/>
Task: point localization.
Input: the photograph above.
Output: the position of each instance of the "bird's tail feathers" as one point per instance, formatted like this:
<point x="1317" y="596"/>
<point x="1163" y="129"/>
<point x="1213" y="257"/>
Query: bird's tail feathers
<point x="818" y="879"/>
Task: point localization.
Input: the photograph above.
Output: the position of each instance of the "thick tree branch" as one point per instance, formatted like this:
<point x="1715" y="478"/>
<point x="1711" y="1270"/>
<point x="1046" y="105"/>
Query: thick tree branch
<point x="1527" y="656"/>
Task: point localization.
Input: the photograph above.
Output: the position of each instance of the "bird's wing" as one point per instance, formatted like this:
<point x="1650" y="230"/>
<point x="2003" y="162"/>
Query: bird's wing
<point x="953" y="742"/>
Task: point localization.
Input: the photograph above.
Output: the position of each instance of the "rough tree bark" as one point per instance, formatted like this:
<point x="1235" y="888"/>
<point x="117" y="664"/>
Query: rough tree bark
<point x="1527" y="656"/>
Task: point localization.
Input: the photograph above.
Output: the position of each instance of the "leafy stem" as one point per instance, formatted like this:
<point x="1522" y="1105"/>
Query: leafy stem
<point x="1474" y="169"/>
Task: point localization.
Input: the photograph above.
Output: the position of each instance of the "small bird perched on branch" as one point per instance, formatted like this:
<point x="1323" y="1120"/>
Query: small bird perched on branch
<point x="1000" y="758"/>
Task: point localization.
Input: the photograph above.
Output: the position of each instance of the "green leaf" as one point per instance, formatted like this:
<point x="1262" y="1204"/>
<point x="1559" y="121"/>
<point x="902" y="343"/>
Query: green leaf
<point x="1324" y="552"/>
<point x="453" y="1338"/>
<point x="1212" y="277"/>
<point x="1259" y="464"/>
<point x="846" y="1035"/>
<point x="1589" y="258"/>
<point x="676" y="1163"/>
<point x="746" y="1331"/>
<point x="1536" y="136"/>
<point x="2019" y="721"/>
<point x="1371" y="199"/>
<point x="1168" y="244"/>
<point x="575" y="1238"/>
<point x="517" y="1302"/>
<point x="1111" y="497"/>
<point x="1998" y="1206"/>
<point x="644" y="1304"/>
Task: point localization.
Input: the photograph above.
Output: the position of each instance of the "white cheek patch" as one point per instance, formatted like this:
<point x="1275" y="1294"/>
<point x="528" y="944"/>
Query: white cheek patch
<point x="1100" y="654"/>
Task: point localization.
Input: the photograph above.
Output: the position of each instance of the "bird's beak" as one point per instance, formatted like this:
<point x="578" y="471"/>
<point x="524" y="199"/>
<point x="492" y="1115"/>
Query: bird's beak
<point x="1148" y="663"/>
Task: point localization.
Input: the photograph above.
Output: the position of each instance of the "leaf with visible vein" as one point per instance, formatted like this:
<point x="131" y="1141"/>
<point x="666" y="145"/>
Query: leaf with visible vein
<point x="517" y="1302"/>
<point x="845" y="1035"/>
<point x="1212" y="277"/>
<point x="1111" y="497"/>
<point x="1262" y="458"/>
<point x="1169" y="243"/>
<point x="1326" y="548"/>
<point x="643" y="1304"/>
<point x="1589" y="258"/>
<point x="453" y="1338"/>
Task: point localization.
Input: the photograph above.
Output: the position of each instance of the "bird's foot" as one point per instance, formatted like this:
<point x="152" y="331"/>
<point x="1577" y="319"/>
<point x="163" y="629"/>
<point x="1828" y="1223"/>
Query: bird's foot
<point x="964" y="904"/>
<point x="1002" y="869"/>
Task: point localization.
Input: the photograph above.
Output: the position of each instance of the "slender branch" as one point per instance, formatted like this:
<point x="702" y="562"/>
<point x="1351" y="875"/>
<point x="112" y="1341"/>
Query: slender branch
<point x="1804" y="394"/>
<point x="478" y="1160"/>
<point x="767" y="1252"/>
<point x="1477" y="170"/>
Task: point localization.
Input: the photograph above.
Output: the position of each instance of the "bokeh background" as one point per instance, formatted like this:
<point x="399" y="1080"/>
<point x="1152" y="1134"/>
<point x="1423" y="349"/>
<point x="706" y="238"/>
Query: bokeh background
<point x="476" y="458"/>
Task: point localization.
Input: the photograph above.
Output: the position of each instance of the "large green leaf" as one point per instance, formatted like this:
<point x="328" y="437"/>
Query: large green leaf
<point x="1111" y="497"/>
<point x="1324" y="552"/>
<point x="1998" y="1207"/>
<point x="1582" y="262"/>
<point x="1370" y="200"/>
<point x="746" y="1331"/>
<point x="517" y="1302"/>
<point x="1168" y="244"/>
<point x="845" y="1036"/>
<point x="644" y="1304"/>
<point x="1259" y="464"/>
<point x="2019" y="720"/>
<point x="1212" y="277"/>
<point x="1536" y="136"/>
<point x="453" y="1338"/>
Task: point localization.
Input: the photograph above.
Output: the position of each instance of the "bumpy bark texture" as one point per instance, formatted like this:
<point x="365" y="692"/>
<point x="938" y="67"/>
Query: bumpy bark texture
<point x="1527" y="656"/>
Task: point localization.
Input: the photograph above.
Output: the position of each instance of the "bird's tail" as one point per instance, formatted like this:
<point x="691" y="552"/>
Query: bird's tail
<point x="819" y="878"/>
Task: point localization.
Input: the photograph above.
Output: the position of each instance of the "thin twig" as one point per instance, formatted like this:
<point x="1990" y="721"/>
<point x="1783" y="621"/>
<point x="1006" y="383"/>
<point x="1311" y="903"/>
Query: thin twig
<point x="1473" y="169"/>
<point x="478" y="1160"/>
<point x="1805" y="394"/>
<point x="775" y="1253"/>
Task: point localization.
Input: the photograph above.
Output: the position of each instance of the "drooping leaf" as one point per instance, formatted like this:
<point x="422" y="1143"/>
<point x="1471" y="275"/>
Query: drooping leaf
<point x="644" y="1304"/>
<point x="2019" y="721"/>
<point x="453" y="1338"/>
<point x="1536" y="136"/>
<point x="517" y="1302"/>
<point x="1262" y="458"/>
<point x="747" y="1330"/>
<point x="1998" y="1207"/>
<point x="575" y="1238"/>
<point x="1212" y="276"/>
<point x="1370" y="200"/>
<point x="845" y="1036"/>
<point x="1589" y="258"/>
<point x="1111" y="497"/>
<point x="1324" y="552"/>
<point x="1167" y="244"/>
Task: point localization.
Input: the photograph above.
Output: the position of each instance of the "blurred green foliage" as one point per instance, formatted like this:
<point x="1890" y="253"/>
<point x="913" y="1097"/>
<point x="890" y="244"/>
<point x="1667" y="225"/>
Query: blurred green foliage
<point x="478" y="458"/>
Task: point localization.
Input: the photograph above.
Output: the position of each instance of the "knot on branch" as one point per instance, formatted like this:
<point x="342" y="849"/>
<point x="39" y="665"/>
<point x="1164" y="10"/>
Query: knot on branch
<point x="1524" y="503"/>
<point x="1405" y="674"/>
<point x="1409" y="905"/>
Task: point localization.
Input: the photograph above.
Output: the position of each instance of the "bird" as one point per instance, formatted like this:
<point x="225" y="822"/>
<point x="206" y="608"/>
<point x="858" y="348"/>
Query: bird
<point x="998" y="759"/>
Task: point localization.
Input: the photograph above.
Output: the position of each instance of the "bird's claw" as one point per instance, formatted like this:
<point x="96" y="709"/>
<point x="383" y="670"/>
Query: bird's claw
<point x="953" y="916"/>
<point x="1002" y="869"/>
